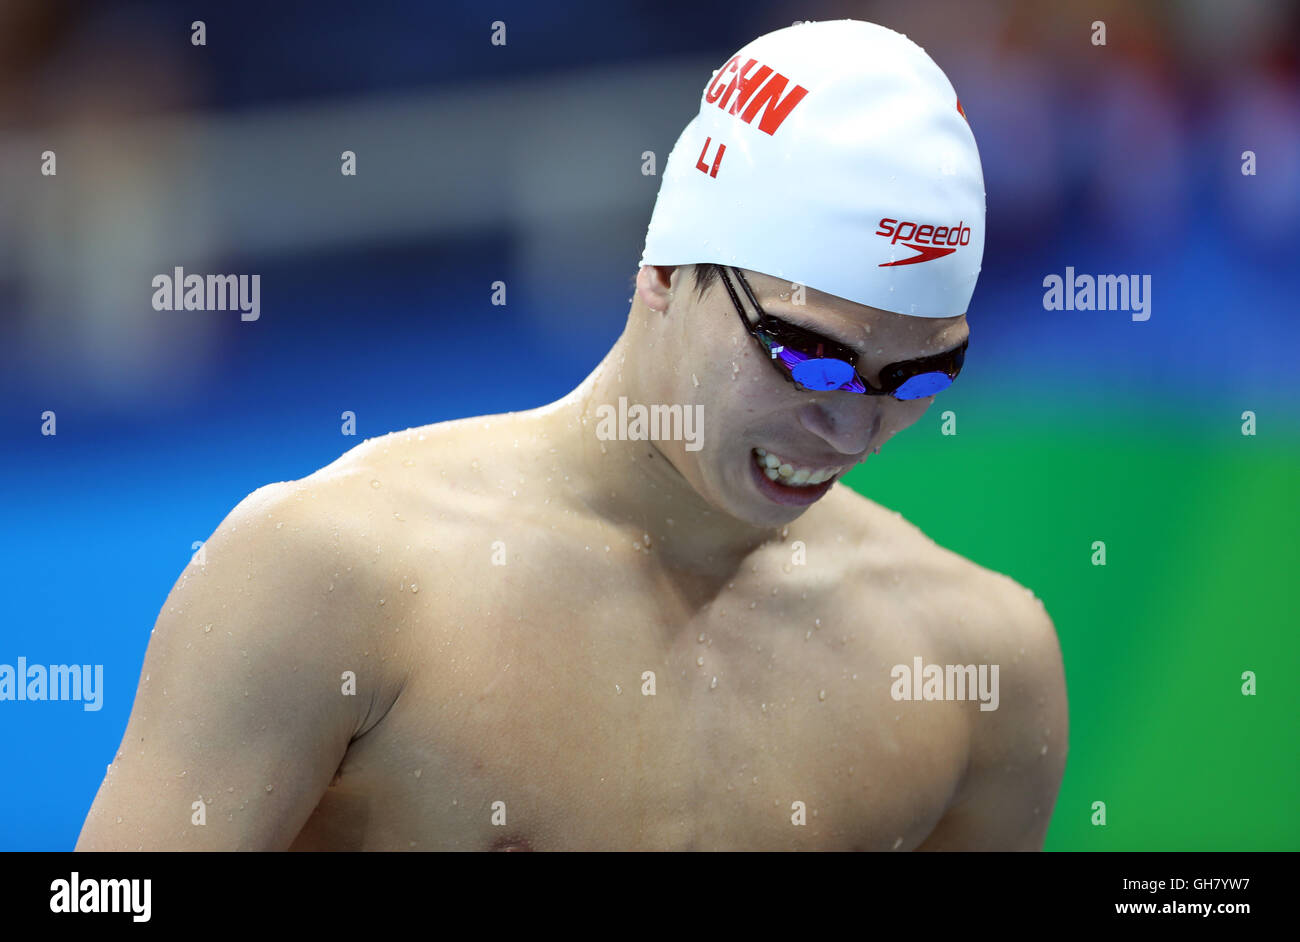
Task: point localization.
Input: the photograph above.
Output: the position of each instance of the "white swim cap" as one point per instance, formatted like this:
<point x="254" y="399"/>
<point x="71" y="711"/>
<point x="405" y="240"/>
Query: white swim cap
<point x="835" y="155"/>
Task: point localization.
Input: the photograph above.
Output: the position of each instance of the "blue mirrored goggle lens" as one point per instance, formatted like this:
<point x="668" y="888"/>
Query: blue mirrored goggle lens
<point x="922" y="385"/>
<point x="822" y="373"/>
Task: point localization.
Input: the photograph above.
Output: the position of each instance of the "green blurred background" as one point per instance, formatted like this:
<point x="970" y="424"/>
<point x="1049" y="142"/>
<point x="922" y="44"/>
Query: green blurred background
<point x="1199" y="523"/>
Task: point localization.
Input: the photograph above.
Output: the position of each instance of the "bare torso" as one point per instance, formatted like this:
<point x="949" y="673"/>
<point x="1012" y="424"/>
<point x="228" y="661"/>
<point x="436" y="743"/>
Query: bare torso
<point x="525" y="635"/>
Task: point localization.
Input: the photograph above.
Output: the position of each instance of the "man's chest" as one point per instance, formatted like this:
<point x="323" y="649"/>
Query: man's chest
<point x="599" y="713"/>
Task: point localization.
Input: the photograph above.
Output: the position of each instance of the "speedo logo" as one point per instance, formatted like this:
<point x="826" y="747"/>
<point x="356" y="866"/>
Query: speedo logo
<point x="930" y="241"/>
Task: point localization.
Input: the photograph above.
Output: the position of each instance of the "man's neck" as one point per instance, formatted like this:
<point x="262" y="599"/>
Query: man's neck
<point x="633" y="486"/>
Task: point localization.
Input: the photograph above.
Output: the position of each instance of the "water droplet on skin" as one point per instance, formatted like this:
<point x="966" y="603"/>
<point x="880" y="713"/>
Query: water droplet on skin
<point x="700" y="639"/>
<point x="699" y="661"/>
<point x="898" y="843"/>
<point x="119" y="820"/>
<point x="713" y="683"/>
<point x="374" y="483"/>
<point x="618" y="689"/>
<point x="821" y="695"/>
<point x="817" y="622"/>
<point x="414" y="588"/>
<point x="207" y="628"/>
<point x="381" y="601"/>
<point x="331" y="588"/>
<point x="268" y="788"/>
<point x="419" y="772"/>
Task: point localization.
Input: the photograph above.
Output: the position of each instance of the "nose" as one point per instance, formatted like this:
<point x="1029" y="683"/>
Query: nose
<point x="847" y="424"/>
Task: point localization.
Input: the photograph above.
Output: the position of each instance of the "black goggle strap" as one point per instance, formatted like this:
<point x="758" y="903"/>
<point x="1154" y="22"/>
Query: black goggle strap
<point x="806" y="342"/>
<point x="740" y="309"/>
<point x="778" y="331"/>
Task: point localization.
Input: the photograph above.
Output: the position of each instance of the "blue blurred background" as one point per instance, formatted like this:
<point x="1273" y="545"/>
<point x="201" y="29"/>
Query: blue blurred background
<point x="522" y="163"/>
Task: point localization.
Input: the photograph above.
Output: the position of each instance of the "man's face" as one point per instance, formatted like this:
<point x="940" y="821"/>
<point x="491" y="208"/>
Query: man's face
<point x="754" y="417"/>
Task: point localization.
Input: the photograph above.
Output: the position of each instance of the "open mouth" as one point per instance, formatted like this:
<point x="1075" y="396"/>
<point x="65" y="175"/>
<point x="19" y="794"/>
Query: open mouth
<point x="786" y="482"/>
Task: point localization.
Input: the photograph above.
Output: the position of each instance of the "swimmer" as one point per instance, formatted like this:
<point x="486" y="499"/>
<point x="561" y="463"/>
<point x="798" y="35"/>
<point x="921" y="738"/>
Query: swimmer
<point x="548" y="630"/>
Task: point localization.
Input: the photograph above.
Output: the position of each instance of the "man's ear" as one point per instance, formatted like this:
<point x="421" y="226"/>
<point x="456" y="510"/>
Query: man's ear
<point x="654" y="286"/>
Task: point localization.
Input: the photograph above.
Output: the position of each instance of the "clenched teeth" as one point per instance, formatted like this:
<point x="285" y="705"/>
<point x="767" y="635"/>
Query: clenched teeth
<point x="778" y="469"/>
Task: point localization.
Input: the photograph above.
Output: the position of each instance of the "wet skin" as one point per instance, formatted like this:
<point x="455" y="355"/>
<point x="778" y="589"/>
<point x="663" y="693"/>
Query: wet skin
<point x="506" y="589"/>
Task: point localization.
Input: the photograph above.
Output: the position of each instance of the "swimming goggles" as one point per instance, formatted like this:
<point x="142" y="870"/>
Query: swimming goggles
<point x="817" y="363"/>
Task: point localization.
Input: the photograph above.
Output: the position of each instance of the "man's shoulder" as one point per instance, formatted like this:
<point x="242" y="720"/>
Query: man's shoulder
<point x="450" y="459"/>
<point x="302" y="509"/>
<point x="324" y="556"/>
<point x="384" y="507"/>
<point x="978" y="607"/>
<point x="971" y="615"/>
<point x="317" y="536"/>
<point x="384" y="472"/>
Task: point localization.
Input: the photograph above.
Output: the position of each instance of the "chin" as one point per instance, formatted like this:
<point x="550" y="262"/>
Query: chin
<point x="745" y="503"/>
